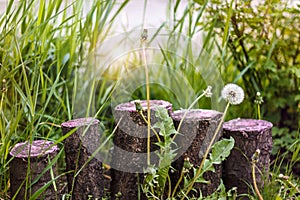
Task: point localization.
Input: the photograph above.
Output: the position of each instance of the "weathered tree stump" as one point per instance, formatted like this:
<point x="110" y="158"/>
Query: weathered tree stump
<point x="36" y="157"/>
<point x="90" y="181"/>
<point x="249" y="135"/>
<point x="196" y="132"/>
<point x="130" y="148"/>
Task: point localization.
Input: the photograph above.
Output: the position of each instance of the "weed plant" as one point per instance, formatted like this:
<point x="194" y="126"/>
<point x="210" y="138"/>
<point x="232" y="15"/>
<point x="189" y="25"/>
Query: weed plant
<point x="44" y="45"/>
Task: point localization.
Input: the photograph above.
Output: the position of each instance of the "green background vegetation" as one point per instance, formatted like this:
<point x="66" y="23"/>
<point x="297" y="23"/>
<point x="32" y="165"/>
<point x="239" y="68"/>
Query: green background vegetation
<point x="43" y="46"/>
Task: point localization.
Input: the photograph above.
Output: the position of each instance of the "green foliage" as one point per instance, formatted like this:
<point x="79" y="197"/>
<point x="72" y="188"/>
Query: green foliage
<point x="44" y="44"/>
<point x="258" y="47"/>
<point x="157" y="177"/>
<point x="281" y="186"/>
<point x="219" y="152"/>
<point x="281" y="182"/>
<point x="283" y="139"/>
<point x="222" y="194"/>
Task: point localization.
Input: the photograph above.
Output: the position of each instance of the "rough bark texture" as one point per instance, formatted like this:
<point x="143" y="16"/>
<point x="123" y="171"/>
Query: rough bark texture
<point x="249" y="135"/>
<point x="90" y="181"/>
<point x="36" y="156"/>
<point x="129" y="154"/>
<point x="196" y="132"/>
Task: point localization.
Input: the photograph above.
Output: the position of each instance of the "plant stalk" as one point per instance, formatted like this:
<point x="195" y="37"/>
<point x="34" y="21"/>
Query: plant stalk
<point x="147" y="97"/>
<point x="189" y="108"/>
<point x="254" y="182"/>
<point x="190" y="186"/>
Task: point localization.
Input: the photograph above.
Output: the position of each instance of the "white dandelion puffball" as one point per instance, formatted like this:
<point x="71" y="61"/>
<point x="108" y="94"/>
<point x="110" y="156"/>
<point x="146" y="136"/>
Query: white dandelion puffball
<point x="233" y="93"/>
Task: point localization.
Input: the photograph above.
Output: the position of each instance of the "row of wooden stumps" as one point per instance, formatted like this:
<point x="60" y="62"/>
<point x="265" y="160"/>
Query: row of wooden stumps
<point x="90" y="179"/>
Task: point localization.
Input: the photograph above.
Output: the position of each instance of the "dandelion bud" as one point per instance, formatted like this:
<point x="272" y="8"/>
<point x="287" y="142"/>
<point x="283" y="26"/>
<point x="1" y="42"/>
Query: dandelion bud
<point x="4" y="89"/>
<point x="258" y="99"/>
<point x="187" y="165"/>
<point x="281" y="176"/>
<point x="144" y="35"/>
<point x="255" y="156"/>
<point x="208" y="92"/>
<point x="138" y="105"/>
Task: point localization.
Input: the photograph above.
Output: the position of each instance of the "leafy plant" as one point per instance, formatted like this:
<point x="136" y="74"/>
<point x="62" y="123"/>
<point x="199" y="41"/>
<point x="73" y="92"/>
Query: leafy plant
<point x="257" y="47"/>
<point x="45" y="44"/>
<point x="42" y="46"/>
<point x="283" y="138"/>
<point x="219" y="152"/>
<point x="158" y="178"/>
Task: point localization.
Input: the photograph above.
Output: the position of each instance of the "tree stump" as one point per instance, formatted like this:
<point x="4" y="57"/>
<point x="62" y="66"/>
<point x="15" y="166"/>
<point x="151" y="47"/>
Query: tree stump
<point x="196" y="132"/>
<point x="130" y="148"/>
<point x="90" y="181"/>
<point x="249" y="135"/>
<point x="29" y="161"/>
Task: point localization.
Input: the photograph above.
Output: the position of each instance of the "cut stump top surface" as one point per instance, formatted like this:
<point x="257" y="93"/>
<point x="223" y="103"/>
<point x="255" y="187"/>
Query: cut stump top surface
<point x="195" y="114"/>
<point x="80" y="122"/>
<point x="37" y="148"/>
<point x="130" y="106"/>
<point x="247" y="125"/>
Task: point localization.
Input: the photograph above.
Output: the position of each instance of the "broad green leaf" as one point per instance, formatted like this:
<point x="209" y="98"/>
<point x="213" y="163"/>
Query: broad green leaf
<point x="163" y="173"/>
<point x="221" y="150"/>
<point x="208" y="166"/>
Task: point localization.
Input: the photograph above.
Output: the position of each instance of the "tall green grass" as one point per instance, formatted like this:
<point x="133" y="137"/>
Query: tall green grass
<point x="44" y="45"/>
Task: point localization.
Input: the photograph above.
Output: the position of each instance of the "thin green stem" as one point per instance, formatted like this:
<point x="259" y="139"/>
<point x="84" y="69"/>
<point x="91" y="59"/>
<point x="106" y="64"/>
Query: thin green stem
<point x="2" y="127"/>
<point x="154" y="131"/>
<point x="190" y="186"/>
<point x="178" y="182"/>
<point x="293" y="186"/>
<point x="258" y="111"/>
<point x="148" y="100"/>
<point x="189" y="108"/>
<point x="170" y="187"/>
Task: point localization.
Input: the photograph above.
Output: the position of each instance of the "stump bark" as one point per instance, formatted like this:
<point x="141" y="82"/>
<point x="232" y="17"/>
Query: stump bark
<point x="130" y="148"/>
<point x="196" y="132"/>
<point x="249" y="135"/>
<point x="90" y="181"/>
<point x="36" y="157"/>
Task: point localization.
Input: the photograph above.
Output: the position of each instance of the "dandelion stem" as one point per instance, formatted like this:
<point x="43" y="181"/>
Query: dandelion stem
<point x="170" y="187"/>
<point x="258" y="111"/>
<point x="189" y="108"/>
<point x="147" y="95"/>
<point x="178" y="182"/>
<point x="254" y="181"/>
<point x="154" y="131"/>
<point x="190" y="186"/>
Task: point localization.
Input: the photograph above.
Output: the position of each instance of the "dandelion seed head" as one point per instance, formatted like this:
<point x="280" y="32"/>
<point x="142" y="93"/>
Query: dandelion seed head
<point x="208" y="92"/>
<point x="233" y="93"/>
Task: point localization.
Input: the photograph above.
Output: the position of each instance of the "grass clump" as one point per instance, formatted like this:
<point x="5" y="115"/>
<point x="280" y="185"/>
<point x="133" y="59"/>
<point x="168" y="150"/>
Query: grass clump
<point x="46" y="45"/>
